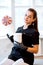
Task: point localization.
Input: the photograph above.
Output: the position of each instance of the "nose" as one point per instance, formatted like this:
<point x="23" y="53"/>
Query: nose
<point x="26" y="17"/>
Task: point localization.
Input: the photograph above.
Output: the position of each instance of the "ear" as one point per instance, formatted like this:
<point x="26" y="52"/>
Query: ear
<point x="34" y="19"/>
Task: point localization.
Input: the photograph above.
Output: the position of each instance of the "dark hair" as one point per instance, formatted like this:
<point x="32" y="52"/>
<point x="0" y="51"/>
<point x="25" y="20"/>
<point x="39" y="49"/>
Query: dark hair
<point x="35" y="23"/>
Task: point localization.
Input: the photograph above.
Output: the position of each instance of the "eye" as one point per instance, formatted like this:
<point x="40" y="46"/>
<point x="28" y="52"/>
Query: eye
<point x="25" y="14"/>
<point x="29" y="16"/>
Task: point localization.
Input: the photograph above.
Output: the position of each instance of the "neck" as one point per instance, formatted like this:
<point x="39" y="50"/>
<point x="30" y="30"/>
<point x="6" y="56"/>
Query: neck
<point x="26" y="26"/>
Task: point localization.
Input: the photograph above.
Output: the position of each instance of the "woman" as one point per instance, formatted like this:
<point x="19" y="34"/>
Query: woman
<point x="30" y="40"/>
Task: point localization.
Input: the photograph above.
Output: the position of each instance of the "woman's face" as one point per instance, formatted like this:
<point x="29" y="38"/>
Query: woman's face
<point x="29" y="17"/>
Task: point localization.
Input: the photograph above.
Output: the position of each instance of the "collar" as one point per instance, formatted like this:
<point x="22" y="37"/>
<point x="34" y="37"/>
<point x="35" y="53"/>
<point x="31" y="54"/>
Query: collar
<point x="27" y="26"/>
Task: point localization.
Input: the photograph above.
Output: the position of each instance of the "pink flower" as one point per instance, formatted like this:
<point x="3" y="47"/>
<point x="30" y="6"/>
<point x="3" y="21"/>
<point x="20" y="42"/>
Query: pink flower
<point x="6" y="20"/>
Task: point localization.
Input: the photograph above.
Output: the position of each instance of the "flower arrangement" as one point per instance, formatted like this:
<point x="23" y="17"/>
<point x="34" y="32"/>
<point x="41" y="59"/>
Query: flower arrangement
<point x="6" y="20"/>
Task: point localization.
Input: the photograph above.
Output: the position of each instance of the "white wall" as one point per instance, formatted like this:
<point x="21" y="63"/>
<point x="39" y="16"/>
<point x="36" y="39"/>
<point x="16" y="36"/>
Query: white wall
<point x="5" y="48"/>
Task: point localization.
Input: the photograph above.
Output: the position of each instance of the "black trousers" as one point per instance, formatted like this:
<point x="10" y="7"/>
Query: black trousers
<point x="31" y="64"/>
<point x="18" y="53"/>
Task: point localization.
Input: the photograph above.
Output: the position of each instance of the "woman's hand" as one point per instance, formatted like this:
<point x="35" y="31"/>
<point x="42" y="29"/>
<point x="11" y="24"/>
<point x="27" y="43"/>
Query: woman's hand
<point x="33" y="49"/>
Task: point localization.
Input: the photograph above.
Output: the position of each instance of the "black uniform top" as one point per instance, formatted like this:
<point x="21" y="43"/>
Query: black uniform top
<point x="30" y="37"/>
